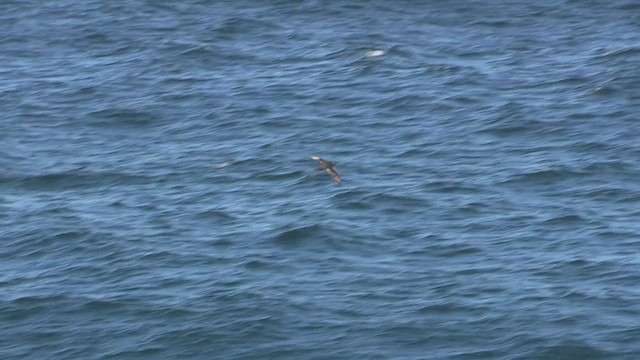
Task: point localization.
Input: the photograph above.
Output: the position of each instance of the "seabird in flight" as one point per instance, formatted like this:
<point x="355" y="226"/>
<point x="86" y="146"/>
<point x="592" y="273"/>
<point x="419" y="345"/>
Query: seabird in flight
<point x="328" y="167"/>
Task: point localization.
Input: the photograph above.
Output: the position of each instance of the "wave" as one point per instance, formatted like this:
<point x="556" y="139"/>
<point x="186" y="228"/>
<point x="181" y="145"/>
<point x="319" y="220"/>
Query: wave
<point x="621" y="53"/>
<point x="245" y="26"/>
<point x="298" y="235"/>
<point x="513" y="119"/>
<point x="543" y="176"/>
<point x="570" y="219"/>
<point x="386" y="202"/>
<point x="122" y="117"/>
<point x="73" y="179"/>
<point x="215" y="215"/>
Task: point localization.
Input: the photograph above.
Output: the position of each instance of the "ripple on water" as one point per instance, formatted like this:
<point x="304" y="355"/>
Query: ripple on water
<point x="157" y="199"/>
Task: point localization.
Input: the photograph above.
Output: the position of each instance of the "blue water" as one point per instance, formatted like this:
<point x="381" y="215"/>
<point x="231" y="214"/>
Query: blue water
<point x="158" y="200"/>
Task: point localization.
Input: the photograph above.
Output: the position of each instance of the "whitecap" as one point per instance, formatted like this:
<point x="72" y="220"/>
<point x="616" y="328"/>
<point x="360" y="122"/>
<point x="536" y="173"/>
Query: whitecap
<point x="375" y="53"/>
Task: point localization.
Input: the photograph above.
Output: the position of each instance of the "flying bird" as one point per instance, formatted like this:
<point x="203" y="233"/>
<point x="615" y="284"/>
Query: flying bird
<point x="328" y="167"/>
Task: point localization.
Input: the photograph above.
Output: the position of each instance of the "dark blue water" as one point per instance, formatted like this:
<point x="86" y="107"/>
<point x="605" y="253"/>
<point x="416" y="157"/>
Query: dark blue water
<point x="158" y="200"/>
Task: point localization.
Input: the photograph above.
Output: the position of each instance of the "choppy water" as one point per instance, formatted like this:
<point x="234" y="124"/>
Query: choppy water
<point x="157" y="199"/>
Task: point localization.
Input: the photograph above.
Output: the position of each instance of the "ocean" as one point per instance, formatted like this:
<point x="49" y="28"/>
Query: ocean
<point x="158" y="199"/>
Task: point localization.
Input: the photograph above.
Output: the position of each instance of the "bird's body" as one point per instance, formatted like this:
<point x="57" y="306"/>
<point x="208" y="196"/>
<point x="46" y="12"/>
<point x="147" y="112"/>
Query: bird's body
<point x="328" y="167"/>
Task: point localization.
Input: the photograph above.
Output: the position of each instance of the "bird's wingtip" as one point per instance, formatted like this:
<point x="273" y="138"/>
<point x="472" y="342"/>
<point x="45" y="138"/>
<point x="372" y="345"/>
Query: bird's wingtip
<point x="315" y="157"/>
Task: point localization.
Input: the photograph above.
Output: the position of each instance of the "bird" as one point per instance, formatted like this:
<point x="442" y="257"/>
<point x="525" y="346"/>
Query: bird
<point x="328" y="167"/>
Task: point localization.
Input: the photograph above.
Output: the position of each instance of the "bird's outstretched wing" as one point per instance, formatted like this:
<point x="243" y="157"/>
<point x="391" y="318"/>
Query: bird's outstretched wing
<point x="334" y="175"/>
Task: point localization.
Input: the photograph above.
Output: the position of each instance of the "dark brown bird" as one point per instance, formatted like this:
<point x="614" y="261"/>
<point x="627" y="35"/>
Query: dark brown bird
<point x="328" y="167"/>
